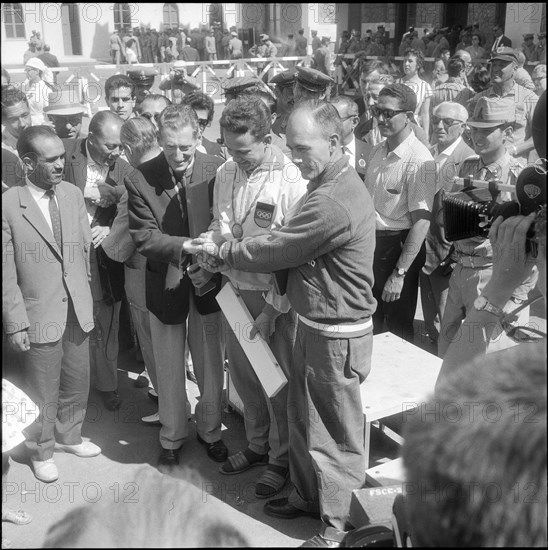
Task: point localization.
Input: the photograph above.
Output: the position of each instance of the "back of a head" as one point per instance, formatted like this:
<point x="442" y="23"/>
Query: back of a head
<point x="247" y="113"/>
<point x="200" y="100"/>
<point x="345" y="102"/>
<point x="475" y="455"/>
<point x="324" y="114"/>
<point x="140" y="135"/>
<point x="455" y="66"/>
<point x="172" y="515"/>
<point x="152" y="98"/>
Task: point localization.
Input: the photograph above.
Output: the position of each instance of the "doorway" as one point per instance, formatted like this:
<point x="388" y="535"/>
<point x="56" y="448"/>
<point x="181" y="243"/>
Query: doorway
<point x="70" y="19"/>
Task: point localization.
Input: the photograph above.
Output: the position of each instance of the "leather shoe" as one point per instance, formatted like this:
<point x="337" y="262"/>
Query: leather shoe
<point x="217" y="450"/>
<point x="111" y="399"/>
<point x="152" y="419"/>
<point x="86" y="449"/>
<point x="45" y="470"/>
<point x="153" y="395"/>
<point x="168" y="457"/>
<point x="280" y="508"/>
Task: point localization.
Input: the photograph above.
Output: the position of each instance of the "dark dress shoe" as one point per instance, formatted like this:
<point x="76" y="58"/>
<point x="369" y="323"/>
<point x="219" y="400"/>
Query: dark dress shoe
<point x="217" y="450"/>
<point x="169" y="457"/>
<point x="111" y="400"/>
<point x="280" y="508"/>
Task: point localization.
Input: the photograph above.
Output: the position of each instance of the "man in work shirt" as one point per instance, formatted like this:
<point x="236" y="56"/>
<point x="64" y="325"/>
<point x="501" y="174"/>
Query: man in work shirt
<point x="329" y="285"/>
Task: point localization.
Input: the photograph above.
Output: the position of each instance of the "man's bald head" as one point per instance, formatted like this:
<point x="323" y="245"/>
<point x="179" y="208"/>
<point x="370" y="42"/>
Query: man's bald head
<point x="104" y="138"/>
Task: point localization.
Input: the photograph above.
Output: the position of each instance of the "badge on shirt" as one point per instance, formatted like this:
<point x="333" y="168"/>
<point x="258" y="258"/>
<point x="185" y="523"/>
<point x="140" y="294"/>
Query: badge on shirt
<point x="264" y="213"/>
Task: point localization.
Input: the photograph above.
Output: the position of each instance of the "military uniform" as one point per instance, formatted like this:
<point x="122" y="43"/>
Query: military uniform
<point x="312" y="84"/>
<point x="474" y="255"/>
<point x="284" y="82"/>
<point x="144" y="79"/>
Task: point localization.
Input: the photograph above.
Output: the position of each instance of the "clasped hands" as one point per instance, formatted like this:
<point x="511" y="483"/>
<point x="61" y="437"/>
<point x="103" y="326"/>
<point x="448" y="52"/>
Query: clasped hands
<point x="102" y="195"/>
<point x="207" y="247"/>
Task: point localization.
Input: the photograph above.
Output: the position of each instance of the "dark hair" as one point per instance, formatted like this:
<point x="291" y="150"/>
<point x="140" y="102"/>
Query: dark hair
<point x="443" y="50"/>
<point x="100" y="118"/>
<point x="374" y="65"/>
<point x="324" y="114"/>
<point x="407" y="98"/>
<point x="119" y="81"/>
<point x="476" y="34"/>
<point x="12" y="96"/>
<point x="481" y="79"/>
<point x="465" y="465"/>
<point x="179" y="116"/>
<point x="455" y="66"/>
<point x="418" y="55"/>
<point x="25" y="143"/>
<point x="199" y="100"/>
<point x="265" y="95"/>
<point x="245" y="114"/>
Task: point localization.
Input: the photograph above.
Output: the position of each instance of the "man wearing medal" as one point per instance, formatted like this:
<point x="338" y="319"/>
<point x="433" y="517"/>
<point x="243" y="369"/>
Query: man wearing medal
<point x="255" y="192"/>
<point x="327" y="245"/>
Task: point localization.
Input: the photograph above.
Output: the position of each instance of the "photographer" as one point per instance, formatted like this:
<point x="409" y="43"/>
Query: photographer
<point x="179" y="82"/>
<point x="492" y="126"/>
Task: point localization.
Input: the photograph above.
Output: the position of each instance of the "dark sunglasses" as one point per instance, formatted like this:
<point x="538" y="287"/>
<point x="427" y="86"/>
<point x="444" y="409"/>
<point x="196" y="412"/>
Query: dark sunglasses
<point x="447" y="122"/>
<point x="387" y="114"/>
<point x="203" y="121"/>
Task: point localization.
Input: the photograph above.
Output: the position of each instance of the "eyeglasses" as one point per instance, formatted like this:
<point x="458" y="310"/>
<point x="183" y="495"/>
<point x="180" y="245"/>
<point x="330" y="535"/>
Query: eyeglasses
<point x="519" y="334"/>
<point x="447" y="122"/>
<point x="203" y="122"/>
<point x="387" y="114"/>
<point x="347" y="117"/>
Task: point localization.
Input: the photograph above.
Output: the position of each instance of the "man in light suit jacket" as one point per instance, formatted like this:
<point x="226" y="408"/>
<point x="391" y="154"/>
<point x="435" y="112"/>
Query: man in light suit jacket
<point x="47" y="308"/>
<point x="159" y="226"/>
<point x="356" y="149"/>
<point x="450" y="150"/>
<point x="94" y="165"/>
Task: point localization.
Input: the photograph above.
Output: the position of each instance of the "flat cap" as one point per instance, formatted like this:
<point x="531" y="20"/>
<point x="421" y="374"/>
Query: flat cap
<point x="234" y="33"/>
<point x="506" y="54"/>
<point x="264" y="37"/>
<point x="313" y="80"/>
<point x="284" y="79"/>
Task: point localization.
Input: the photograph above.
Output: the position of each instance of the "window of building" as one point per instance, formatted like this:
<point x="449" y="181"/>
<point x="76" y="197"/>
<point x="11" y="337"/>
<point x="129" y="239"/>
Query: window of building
<point x="122" y="16"/>
<point x="12" y="15"/>
<point x="171" y="16"/>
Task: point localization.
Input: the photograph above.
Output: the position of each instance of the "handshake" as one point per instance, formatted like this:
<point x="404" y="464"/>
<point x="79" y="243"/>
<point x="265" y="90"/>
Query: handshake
<point x="207" y="248"/>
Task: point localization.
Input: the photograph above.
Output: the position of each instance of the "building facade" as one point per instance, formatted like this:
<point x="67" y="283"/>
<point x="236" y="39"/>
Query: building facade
<point x="80" y="31"/>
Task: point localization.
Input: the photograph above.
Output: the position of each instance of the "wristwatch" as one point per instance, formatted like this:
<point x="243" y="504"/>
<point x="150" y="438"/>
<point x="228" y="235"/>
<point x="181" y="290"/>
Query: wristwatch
<point x="481" y="303"/>
<point x="400" y="272"/>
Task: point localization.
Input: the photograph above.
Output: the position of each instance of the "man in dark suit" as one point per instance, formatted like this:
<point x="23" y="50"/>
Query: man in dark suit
<point x="94" y="165"/>
<point x="159" y="226"/>
<point x="499" y="40"/>
<point x="47" y="308"/>
<point x="450" y="150"/>
<point x="357" y="150"/>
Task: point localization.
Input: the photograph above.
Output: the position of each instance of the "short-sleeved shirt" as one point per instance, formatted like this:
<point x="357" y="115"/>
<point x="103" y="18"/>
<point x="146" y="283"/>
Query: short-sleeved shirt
<point x="525" y="101"/>
<point x="505" y="169"/>
<point x="422" y="90"/>
<point x="400" y="181"/>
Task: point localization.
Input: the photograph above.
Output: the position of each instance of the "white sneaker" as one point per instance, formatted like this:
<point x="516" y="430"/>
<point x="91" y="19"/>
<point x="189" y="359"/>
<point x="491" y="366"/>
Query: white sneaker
<point x="45" y="470"/>
<point x="86" y="449"/>
<point x="152" y="420"/>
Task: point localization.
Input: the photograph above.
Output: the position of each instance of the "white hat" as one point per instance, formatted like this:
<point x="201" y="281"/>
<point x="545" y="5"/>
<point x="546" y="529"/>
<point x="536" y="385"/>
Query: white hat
<point x="36" y="63"/>
<point x="179" y="64"/>
<point x="64" y="102"/>
<point x="234" y="33"/>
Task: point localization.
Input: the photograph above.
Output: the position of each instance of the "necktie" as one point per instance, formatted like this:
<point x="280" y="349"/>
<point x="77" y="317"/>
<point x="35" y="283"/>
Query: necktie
<point x="55" y="219"/>
<point x="345" y="150"/>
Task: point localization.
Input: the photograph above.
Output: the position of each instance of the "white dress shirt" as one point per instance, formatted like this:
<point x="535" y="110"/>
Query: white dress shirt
<point x="42" y="200"/>
<point x="95" y="175"/>
<point x="350" y="151"/>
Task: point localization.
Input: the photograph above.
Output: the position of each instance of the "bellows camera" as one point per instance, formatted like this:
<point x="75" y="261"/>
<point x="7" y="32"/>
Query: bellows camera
<point x="471" y="212"/>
